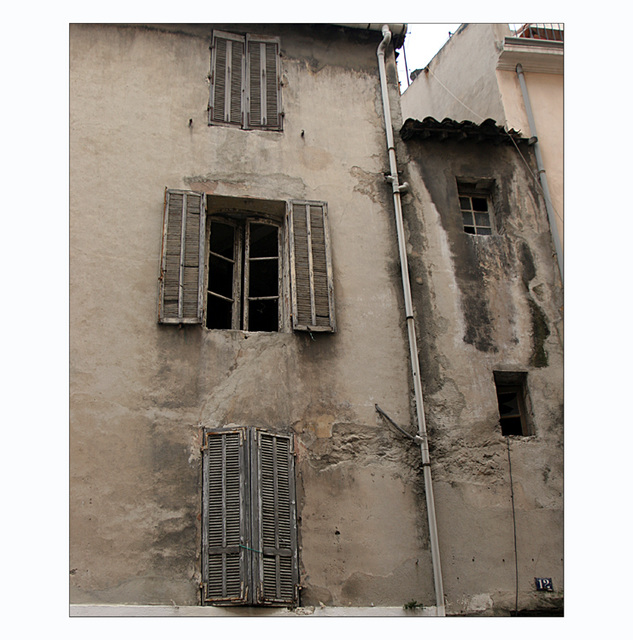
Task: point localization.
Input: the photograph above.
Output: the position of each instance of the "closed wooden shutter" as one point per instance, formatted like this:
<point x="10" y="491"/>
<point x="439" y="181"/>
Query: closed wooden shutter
<point x="227" y="79"/>
<point x="275" y="521"/>
<point x="311" y="267"/>
<point x="225" y="518"/>
<point x="182" y="258"/>
<point x="249" y="524"/>
<point x="264" y="98"/>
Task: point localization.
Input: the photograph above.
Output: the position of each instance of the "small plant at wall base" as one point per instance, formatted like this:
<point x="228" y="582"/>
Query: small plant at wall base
<point x="412" y="605"/>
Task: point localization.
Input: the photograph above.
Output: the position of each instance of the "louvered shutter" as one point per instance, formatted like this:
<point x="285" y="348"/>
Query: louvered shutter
<point x="311" y="267"/>
<point x="182" y="259"/>
<point x="227" y="79"/>
<point x="264" y="97"/>
<point x="225" y="518"/>
<point x="275" y="523"/>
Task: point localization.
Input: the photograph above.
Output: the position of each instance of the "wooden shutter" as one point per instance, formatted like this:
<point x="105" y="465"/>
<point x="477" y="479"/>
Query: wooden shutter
<point x="227" y="79"/>
<point x="311" y="267"/>
<point x="225" y="518"/>
<point x="182" y="258"/>
<point x="275" y="523"/>
<point x="264" y="96"/>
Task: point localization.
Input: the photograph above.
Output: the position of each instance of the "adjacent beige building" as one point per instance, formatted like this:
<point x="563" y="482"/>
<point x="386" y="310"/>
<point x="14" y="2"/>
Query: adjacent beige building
<point x="237" y="315"/>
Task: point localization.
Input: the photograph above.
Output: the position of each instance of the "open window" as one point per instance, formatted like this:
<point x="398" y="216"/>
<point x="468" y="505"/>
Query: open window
<point x="246" y="264"/>
<point x="249" y="528"/>
<point x="514" y="403"/>
<point x="475" y="204"/>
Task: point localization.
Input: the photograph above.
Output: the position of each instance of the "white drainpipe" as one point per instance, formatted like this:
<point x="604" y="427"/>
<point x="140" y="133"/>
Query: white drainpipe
<point x="413" y="349"/>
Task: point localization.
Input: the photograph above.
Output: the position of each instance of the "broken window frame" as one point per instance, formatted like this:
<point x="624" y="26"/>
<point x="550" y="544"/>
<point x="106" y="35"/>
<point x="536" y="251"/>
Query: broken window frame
<point x="514" y="383"/>
<point x="259" y="64"/>
<point x="476" y="190"/>
<point x="249" y="518"/>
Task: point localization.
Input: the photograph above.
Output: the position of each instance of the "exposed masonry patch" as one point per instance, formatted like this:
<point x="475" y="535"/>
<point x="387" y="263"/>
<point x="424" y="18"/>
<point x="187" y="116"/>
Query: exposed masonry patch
<point x="483" y="459"/>
<point x="363" y="445"/>
<point x="370" y="185"/>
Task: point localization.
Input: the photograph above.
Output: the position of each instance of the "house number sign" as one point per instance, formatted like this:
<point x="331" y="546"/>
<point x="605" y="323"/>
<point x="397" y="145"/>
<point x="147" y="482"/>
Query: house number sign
<point x="544" y="584"/>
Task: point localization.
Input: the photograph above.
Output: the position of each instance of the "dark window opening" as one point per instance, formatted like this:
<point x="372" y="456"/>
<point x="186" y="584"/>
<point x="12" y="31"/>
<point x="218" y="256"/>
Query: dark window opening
<point x="513" y="402"/>
<point x="244" y="275"/>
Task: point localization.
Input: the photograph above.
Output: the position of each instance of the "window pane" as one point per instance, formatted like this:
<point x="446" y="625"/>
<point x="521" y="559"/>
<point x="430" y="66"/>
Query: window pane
<point x="508" y="403"/>
<point x="264" y="243"/>
<point x="470" y="230"/>
<point x="222" y="239"/>
<point x="464" y="202"/>
<point x="263" y="315"/>
<point x="263" y="278"/>
<point x="221" y="276"/>
<point x="480" y="204"/>
<point x="467" y="218"/>
<point x="484" y="231"/>
<point x="482" y="219"/>
<point x="219" y="313"/>
<point x="511" y="427"/>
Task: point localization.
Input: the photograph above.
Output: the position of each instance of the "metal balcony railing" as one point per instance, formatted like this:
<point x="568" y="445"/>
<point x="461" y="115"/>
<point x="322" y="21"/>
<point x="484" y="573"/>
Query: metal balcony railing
<point x="552" y="31"/>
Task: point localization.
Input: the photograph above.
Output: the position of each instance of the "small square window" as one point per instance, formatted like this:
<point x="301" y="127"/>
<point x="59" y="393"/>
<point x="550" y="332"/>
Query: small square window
<point x="476" y="208"/>
<point x="513" y="402"/>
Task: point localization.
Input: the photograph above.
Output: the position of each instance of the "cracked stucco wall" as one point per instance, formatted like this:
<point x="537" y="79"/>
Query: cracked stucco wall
<point x="140" y="392"/>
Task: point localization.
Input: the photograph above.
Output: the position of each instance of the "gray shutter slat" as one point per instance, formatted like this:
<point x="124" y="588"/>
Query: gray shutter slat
<point x="272" y="86"/>
<point x="218" y="84"/>
<point x="254" y="86"/>
<point x="225" y="518"/>
<point x="227" y="77"/>
<point x="182" y="259"/>
<point x="237" y="63"/>
<point x="277" y="520"/>
<point x="264" y="97"/>
<point x="312" y="288"/>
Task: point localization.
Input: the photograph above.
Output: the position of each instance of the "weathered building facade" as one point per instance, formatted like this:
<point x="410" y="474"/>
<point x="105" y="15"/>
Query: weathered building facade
<point x="236" y="314"/>
<point x="488" y="297"/>
<point x="517" y="78"/>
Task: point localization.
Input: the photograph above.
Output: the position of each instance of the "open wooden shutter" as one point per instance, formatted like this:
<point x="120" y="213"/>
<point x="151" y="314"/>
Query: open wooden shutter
<point x="275" y="522"/>
<point x="264" y="96"/>
<point x="182" y="259"/>
<point x="227" y="79"/>
<point x="225" y="518"/>
<point x="311" y="267"/>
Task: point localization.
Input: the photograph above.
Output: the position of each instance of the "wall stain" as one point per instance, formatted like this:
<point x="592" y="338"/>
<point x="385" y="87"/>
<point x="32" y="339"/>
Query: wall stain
<point x="540" y="333"/>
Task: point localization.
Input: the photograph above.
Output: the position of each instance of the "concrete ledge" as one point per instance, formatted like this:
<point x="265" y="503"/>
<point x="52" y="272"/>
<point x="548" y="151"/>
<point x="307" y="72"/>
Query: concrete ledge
<point x="161" y="611"/>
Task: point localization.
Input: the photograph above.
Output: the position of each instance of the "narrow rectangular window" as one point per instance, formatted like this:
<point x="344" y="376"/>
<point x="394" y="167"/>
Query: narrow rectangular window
<point x="475" y="205"/>
<point x="513" y="402"/>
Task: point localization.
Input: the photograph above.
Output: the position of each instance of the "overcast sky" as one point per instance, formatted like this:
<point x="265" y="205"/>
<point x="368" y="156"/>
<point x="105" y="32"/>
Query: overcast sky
<point x="423" y="41"/>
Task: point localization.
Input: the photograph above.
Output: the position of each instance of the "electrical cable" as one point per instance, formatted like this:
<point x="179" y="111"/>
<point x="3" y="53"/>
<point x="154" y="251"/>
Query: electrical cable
<point x="536" y="180"/>
<point x="514" y="525"/>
